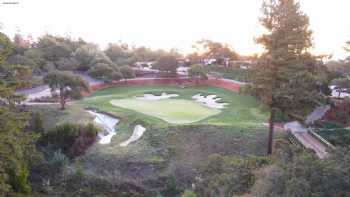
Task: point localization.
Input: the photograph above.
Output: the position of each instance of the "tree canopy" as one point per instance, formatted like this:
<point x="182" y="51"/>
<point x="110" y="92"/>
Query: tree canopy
<point x="17" y="148"/>
<point x="68" y="85"/>
<point x="167" y="64"/>
<point x="285" y="76"/>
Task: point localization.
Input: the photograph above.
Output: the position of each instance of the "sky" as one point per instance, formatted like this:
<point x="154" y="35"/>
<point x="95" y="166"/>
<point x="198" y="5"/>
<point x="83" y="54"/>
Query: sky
<point x="170" y="24"/>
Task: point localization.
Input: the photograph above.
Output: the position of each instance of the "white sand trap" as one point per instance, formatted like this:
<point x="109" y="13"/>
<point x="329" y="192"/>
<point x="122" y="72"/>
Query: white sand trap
<point x="151" y="97"/>
<point x="108" y="123"/>
<point x="136" y="135"/>
<point x="209" y="101"/>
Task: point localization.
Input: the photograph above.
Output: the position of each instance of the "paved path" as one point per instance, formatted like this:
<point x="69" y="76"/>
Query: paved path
<point x="317" y="114"/>
<point x="307" y="139"/>
<point x="44" y="90"/>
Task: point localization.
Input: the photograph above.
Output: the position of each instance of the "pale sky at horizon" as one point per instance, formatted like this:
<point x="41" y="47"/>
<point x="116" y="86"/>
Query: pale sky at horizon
<point x="170" y="24"/>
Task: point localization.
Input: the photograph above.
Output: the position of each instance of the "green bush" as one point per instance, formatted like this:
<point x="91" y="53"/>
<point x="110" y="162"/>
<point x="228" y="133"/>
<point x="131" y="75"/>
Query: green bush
<point x="91" y="130"/>
<point x="172" y="188"/>
<point x="19" y="180"/>
<point x="36" y="123"/>
<point x="227" y="175"/>
<point x="188" y="193"/>
<point x="72" y="139"/>
<point x="230" y="73"/>
<point x="101" y="71"/>
<point x="58" y="160"/>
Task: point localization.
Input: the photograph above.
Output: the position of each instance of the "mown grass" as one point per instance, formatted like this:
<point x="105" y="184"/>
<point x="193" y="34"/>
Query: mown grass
<point x="242" y="111"/>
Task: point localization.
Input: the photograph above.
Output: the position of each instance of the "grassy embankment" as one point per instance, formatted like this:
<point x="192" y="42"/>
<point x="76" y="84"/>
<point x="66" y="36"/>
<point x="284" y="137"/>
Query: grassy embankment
<point x="165" y="149"/>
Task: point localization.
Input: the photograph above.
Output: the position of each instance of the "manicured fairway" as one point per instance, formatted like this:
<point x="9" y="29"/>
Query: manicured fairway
<point x="178" y="111"/>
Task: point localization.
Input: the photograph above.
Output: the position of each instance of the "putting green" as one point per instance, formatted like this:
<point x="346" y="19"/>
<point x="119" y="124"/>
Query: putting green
<point x="177" y="111"/>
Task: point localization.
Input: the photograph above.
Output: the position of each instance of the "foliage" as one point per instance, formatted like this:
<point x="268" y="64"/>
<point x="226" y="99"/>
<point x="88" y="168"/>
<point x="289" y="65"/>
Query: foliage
<point x="86" y="56"/>
<point x="117" y="76"/>
<point x="216" y="50"/>
<point x="171" y="187"/>
<point x="189" y="193"/>
<point x="101" y="71"/>
<point x="119" y="53"/>
<point x="53" y="49"/>
<point x="68" y="85"/>
<point x="335" y="134"/>
<point x="227" y="176"/>
<point x="167" y="64"/>
<point x="58" y="160"/>
<point x="72" y="139"/>
<point x="127" y="72"/>
<point x="36" y="123"/>
<point x="17" y="148"/>
<point x="285" y="77"/>
<point x="339" y="113"/>
<point x="230" y="73"/>
<point x="297" y="172"/>
<point x="5" y="47"/>
<point x="197" y="72"/>
<point x="339" y="68"/>
<point x="67" y="64"/>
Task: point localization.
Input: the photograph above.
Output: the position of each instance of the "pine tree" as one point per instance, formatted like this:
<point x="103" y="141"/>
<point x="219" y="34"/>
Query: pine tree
<point x="285" y="78"/>
<point x="17" y="148"/>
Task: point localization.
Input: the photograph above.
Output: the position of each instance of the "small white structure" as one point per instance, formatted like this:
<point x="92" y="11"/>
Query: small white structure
<point x="136" y="135"/>
<point x="151" y="97"/>
<point x="209" y="101"/>
<point x="108" y="123"/>
<point x="335" y="93"/>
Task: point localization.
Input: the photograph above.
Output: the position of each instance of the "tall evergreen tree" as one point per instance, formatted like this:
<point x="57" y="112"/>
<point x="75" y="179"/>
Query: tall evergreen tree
<point x="17" y="148"/>
<point x="285" y="78"/>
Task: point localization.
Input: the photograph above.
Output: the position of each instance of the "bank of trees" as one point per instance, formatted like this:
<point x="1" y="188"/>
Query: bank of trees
<point x="55" y="53"/>
<point x="17" y="146"/>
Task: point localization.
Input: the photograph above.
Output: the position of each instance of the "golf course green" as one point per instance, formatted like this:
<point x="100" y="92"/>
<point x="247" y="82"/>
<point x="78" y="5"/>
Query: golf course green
<point x="177" y="111"/>
<point x="240" y="111"/>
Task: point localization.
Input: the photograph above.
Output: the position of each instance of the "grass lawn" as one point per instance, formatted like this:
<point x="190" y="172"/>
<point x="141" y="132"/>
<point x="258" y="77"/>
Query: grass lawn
<point x="241" y="111"/>
<point x="177" y="111"/>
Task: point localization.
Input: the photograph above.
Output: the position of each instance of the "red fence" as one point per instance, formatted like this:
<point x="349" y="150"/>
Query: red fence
<point x="169" y="81"/>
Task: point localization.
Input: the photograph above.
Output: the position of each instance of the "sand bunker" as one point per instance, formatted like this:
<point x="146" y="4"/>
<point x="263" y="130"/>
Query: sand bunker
<point x="151" y="97"/>
<point x="136" y="135"/>
<point x="108" y="123"/>
<point x="209" y="101"/>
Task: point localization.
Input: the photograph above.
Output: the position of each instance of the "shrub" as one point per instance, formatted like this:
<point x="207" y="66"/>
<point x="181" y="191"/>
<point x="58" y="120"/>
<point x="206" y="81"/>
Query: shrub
<point x="188" y="193"/>
<point x="36" y="123"/>
<point x="72" y="139"/>
<point x="101" y="71"/>
<point x="19" y="180"/>
<point x="171" y="187"/>
<point x="226" y="176"/>
<point x="58" y="160"/>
